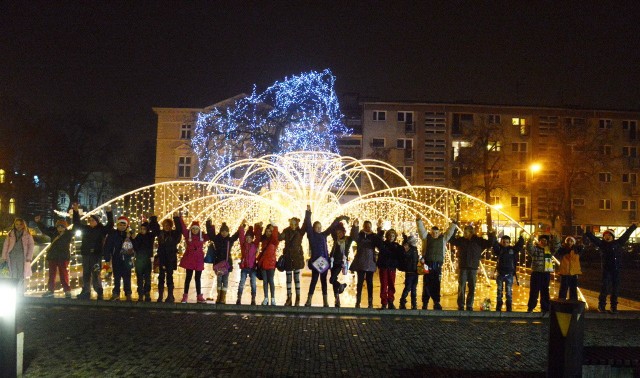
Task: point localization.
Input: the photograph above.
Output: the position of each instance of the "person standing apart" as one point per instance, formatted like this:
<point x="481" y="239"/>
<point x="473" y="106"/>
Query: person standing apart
<point x="293" y="257"/>
<point x="58" y="255"/>
<point x="470" y="247"/>
<point x="17" y="250"/>
<point x="611" y="250"/>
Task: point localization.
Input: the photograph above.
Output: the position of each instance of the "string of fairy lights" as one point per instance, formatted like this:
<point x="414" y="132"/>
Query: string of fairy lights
<point x="323" y="180"/>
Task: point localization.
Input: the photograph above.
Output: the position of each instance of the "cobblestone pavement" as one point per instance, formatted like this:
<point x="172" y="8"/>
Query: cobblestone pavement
<point x="63" y="338"/>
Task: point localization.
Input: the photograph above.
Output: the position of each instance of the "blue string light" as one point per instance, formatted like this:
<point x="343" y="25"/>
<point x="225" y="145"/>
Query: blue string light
<point x="300" y="113"/>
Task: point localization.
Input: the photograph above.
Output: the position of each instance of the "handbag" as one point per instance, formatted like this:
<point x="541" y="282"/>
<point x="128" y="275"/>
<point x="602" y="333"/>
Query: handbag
<point x="280" y="264"/>
<point x="209" y="258"/>
<point x="422" y="268"/>
<point x="321" y="264"/>
<point x="4" y="270"/>
<point x="223" y="266"/>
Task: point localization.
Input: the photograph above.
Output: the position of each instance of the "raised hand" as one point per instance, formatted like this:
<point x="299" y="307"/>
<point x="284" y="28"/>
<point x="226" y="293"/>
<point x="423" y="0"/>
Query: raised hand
<point x="107" y="208"/>
<point x="308" y="207"/>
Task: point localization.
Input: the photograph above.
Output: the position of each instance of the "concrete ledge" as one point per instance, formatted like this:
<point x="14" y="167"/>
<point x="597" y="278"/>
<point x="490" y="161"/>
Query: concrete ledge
<point x="307" y="311"/>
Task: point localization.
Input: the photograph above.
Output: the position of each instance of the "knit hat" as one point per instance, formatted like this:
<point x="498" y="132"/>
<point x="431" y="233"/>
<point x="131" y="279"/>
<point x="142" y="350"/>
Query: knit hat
<point x="195" y="224"/>
<point x="123" y="219"/>
<point x="62" y="222"/>
<point x="145" y="224"/>
<point x="610" y="232"/>
<point x="95" y="217"/>
<point x="224" y="227"/>
<point x="413" y="240"/>
<point x="570" y="238"/>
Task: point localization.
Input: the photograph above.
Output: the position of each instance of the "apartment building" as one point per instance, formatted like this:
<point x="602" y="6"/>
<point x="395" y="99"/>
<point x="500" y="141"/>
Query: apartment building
<point x="526" y="156"/>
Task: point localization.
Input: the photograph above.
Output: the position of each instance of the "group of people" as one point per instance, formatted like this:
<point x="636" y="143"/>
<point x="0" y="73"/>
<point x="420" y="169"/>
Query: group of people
<point x="379" y="250"/>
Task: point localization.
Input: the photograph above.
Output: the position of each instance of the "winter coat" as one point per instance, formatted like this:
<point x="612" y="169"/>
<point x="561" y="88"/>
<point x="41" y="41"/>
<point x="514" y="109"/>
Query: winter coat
<point x="409" y="262"/>
<point x="267" y="255"/>
<point x="143" y="244"/>
<point x="27" y="248"/>
<point x="569" y="260"/>
<point x="60" y="247"/>
<point x="470" y="250"/>
<point x="542" y="258"/>
<point x="507" y="256"/>
<point x="92" y="237"/>
<point x="390" y="253"/>
<point x="293" y="256"/>
<point x="336" y="251"/>
<point x="222" y="245"/>
<point x="249" y="251"/>
<point x="113" y="251"/>
<point x="168" y="242"/>
<point x="193" y="258"/>
<point x="317" y="240"/>
<point x="433" y="249"/>
<point x="365" y="258"/>
<point x="611" y="251"/>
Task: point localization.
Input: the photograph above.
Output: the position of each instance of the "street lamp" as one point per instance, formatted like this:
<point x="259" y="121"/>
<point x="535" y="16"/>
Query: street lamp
<point x="10" y="340"/>
<point x="534" y="168"/>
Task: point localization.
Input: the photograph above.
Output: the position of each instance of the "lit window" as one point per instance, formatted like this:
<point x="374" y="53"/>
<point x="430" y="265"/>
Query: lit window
<point x="379" y="115"/>
<point x="2" y="174"/>
<point x="518" y="121"/>
<point x="185" y="131"/>
<point x="494" y="146"/>
<point x="604" y="204"/>
<point x="12" y="206"/>
<point x="184" y="167"/>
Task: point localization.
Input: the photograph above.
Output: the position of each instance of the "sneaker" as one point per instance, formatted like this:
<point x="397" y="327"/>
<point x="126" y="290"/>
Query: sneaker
<point x="48" y="294"/>
<point x="67" y="294"/>
<point x="201" y="299"/>
<point x="273" y="301"/>
<point x="185" y="297"/>
<point x="265" y="302"/>
<point x="115" y="297"/>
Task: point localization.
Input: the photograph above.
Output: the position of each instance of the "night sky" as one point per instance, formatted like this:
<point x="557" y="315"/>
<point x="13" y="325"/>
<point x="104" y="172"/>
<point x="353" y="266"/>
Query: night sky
<point x="117" y="60"/>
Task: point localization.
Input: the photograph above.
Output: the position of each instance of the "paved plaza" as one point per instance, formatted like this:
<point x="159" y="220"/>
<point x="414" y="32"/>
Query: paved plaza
<point x="66" y="338"/>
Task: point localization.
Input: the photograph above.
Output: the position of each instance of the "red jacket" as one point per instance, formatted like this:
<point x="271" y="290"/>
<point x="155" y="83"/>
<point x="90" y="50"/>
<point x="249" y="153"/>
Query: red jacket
<point x="267" y="257"/>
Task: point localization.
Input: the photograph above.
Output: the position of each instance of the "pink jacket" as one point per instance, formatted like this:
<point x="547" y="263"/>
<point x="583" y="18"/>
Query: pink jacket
<point x="249" y="251"/>
<point x="27" y="246"/>
<point x="193" y="258"/>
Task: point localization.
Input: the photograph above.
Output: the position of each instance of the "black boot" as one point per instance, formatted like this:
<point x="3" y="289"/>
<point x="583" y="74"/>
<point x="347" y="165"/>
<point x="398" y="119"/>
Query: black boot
<point x="170" y="298"/>
<point x="403" y="304"/>
<point x="509" y="306"/>
<point x="370" y="301"/>
<point x="498" y="306"/>
<point x="391" y="306"/>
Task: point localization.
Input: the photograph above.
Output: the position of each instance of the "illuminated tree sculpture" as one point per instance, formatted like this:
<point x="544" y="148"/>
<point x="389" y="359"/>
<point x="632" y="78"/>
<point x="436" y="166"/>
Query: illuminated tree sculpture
<point x="300" y="113"/>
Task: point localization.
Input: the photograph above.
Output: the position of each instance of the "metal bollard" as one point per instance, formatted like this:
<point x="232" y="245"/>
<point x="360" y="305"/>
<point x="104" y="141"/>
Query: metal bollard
<point x="566" y="336"/>
<point x="10" y="340"/>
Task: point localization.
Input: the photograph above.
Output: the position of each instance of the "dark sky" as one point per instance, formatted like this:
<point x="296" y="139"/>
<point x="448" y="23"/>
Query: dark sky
<point x="118" y="59"/>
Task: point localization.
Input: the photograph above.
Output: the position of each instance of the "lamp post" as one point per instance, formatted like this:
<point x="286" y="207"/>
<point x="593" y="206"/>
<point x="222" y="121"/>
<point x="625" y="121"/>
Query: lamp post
<point x="534" y="168"/>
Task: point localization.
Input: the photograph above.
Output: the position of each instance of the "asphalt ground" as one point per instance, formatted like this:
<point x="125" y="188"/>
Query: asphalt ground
<point x="73" y="338"/>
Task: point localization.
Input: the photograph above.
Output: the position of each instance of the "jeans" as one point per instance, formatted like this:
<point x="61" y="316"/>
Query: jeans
<point x="91" y="275"/>
<point x="243" y="278"/>
<point x="467" y="277"/>
<point x="410" y="285"/>
<point x="387" y="285"/>
<point x="431" y="284"/>
<point x="505" y="280"/>
<point x="124" y="274"/>
<point x="364" y="276"/>
<point x="62" y="268"/>
<point x="569" y="283"/>
<point x="222" y="282"/>
<point x="187" y="281"/>
<point x="267" y="282"/>
<point x="610" y="279"/>
<point x="314" y="281"/>
<point x="539" y="285"/>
